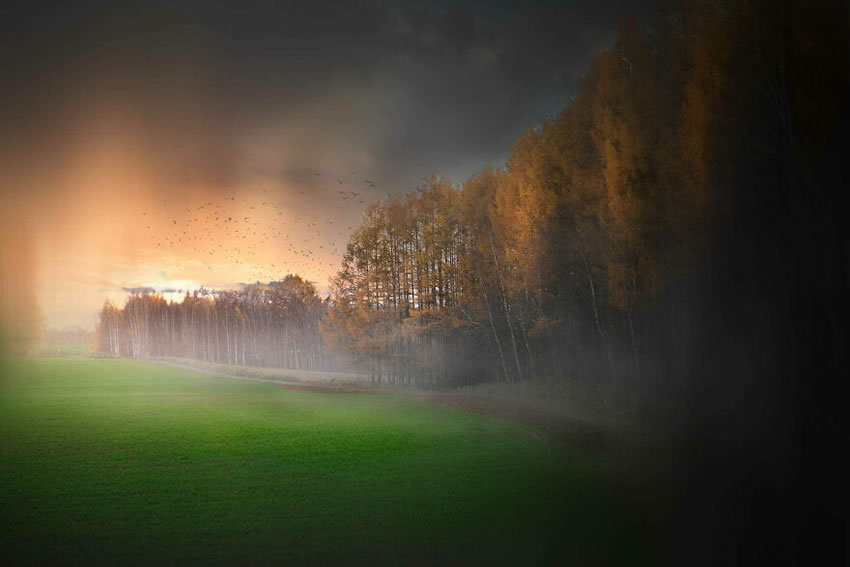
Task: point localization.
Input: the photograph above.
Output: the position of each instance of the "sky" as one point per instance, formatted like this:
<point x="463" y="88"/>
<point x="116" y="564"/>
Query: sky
<point x="173" y="145"/>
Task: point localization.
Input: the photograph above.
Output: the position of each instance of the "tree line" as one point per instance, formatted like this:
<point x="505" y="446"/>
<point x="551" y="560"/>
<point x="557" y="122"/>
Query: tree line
<point x="675" y="231"/>
<point x="273" y="325"/>
<point x="592" y="254"/>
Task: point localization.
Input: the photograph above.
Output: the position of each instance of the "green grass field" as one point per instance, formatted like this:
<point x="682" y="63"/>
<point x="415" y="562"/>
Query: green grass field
<point x="117" y="461"/>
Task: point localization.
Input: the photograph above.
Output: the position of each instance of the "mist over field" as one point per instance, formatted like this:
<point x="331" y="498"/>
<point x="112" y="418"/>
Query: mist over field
<point x="424" y="283"/>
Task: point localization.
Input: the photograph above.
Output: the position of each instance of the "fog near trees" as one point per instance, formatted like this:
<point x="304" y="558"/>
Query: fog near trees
<point x="273" y="325"/>
<point x="601" y="251"/>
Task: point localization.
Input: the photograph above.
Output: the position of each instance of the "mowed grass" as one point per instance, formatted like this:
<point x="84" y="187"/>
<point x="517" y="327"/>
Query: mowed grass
<point x="118" y="461"/>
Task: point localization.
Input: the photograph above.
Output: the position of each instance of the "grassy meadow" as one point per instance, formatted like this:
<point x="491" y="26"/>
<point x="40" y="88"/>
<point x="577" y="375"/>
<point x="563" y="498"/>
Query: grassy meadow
<point x="119" y="461"/>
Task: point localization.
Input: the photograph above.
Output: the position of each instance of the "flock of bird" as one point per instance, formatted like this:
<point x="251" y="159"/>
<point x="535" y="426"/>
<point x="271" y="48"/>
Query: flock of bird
<point x="264" y="235"/>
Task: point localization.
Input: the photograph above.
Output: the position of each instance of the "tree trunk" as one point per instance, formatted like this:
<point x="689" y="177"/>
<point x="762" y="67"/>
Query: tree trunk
<point x="506" y="306"/>
<point x="495" y="332"/>
<point x="605" y="342"/>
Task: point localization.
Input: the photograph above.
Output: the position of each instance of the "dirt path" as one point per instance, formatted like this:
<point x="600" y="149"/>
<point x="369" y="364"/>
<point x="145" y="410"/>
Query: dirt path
<point x="595" y="434"/>
<point x="214" y="373"/>
<point x="306" y="386"/>
<point x="592" y="433"/>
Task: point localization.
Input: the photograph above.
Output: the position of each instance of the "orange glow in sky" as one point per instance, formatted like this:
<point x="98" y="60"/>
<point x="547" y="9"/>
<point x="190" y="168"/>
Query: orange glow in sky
<point x="111" y="220"/>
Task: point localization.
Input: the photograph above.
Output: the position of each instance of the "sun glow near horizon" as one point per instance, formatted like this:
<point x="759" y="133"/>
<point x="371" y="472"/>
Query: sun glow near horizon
<point x="215" y="239"/>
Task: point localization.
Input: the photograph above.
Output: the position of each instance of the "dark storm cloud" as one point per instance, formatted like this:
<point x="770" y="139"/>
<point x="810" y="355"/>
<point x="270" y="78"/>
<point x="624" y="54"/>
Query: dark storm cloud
<point x="403" y="89"/>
